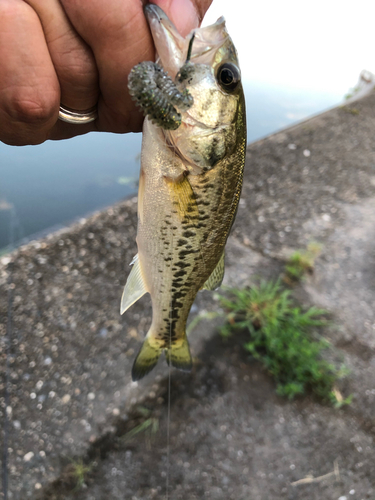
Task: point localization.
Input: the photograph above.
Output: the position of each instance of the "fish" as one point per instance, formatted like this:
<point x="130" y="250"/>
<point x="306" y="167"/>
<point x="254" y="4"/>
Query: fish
<point x="190" y="181"/>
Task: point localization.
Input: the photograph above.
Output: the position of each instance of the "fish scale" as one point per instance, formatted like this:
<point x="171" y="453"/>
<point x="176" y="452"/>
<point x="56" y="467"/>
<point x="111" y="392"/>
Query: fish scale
<point x="189" y="189"/>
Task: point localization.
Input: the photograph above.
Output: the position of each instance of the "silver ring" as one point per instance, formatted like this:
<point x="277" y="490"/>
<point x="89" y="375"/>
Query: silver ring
<point x="77" y="117"/>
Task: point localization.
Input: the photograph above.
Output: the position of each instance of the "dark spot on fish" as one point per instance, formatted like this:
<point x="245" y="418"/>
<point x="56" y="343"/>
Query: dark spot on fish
<point x="213" y="157"/>
<point x="176" y="285"/>
<point x="188" y="234"/>
<point x="182" y="265"/>
<point x="180" y="273"/>
<point x="183" y="253"/>
<point x="204" y="180"/>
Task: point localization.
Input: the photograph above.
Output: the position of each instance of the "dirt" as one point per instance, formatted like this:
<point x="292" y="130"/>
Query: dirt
<point x="232" y="437"/>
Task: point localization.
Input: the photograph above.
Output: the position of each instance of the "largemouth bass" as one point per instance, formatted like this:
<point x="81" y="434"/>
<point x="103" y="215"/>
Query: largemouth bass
<point x="190" y="184"/>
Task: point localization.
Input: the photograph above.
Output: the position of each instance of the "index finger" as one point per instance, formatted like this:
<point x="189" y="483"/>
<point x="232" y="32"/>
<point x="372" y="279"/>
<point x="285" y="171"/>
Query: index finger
<point x="118" y="34"/>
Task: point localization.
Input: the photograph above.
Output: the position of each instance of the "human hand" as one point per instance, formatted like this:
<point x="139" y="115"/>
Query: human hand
<point x="78" y="53"/>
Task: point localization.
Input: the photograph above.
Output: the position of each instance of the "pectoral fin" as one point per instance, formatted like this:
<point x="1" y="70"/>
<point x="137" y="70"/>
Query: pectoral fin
<point x="134" y="288"/>
<point x="183" y="197"/>
<point x="217" y="276"/>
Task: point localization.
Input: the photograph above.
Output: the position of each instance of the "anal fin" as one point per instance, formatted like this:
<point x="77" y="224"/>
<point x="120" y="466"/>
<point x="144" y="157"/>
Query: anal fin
<point x="134" y="288"/>
<point x="217" y="276"/>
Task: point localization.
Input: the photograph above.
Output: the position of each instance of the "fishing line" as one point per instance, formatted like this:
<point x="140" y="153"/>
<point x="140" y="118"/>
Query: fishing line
<point x="190" y="48"/>
<point x="169" y="392"/>
<point x="168" y="429"/>
<point x="170" y="341"/>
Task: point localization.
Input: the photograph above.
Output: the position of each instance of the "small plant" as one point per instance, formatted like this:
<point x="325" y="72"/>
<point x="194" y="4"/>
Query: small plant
<point x="76" y="473"/>
<point x="302" y="262"/>
<point x="352" y="111"/>
<point x="282" y="338"/>
<point x="149" y="426"/>
<point x="204" y="315"/>
<point x="337" y="399"/>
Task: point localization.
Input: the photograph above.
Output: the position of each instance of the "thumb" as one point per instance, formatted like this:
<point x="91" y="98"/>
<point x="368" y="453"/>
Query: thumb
<point x="185" y="14"/>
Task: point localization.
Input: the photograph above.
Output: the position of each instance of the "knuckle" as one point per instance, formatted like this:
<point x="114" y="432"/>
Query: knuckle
<point x="33" y="109"/>
<point x="26" y="118"/>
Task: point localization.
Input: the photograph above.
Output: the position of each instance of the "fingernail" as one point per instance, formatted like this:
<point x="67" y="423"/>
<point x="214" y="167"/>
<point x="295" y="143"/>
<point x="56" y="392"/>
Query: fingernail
<point x="182" y="13"/>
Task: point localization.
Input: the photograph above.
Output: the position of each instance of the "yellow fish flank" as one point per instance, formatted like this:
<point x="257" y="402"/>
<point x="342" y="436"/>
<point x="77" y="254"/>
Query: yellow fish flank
<point x="189" y="189"/>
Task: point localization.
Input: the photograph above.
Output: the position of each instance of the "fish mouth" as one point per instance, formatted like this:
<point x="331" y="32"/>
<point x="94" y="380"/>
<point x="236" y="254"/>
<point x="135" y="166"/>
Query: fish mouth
<point x="172" y="48"/>
<point x="168" y="42"/>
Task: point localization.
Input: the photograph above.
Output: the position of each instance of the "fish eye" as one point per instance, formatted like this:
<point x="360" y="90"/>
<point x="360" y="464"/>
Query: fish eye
<point x="228" y="77"/>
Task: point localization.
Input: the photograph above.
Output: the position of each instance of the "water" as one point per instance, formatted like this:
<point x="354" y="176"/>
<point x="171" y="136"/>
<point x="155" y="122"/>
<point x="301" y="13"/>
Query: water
<point x="44" y="187"/>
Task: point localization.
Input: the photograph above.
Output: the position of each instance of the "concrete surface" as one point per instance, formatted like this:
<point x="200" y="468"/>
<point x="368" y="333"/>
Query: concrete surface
<point x="69" y="352"/>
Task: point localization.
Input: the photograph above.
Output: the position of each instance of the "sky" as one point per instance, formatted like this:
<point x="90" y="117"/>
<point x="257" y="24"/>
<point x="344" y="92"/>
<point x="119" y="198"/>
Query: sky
<point x="321" y="45"/>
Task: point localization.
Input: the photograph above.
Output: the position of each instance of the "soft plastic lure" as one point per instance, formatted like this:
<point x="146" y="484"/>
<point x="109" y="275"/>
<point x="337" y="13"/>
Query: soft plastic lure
<point x="158" y="96"/>
<point x="155" y="92"/>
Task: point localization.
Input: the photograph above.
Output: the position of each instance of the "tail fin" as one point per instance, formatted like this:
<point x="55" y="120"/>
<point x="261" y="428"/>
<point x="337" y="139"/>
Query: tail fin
<point x="146" y="360"/>
<point x="178" y="356"/>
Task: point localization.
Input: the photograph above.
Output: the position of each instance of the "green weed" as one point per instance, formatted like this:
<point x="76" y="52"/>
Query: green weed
<point x="352" y="92"/>
<point x="302" y="262"/>
<point x="76" y="473"/>
<point x="204" y="315"/>
<point x="149" y="427"/>
<point x="352" y="111"/>
<point x="283" y="337"/>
